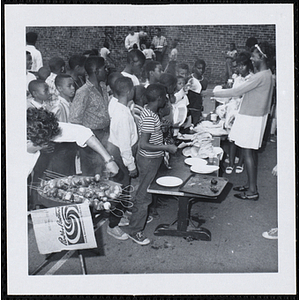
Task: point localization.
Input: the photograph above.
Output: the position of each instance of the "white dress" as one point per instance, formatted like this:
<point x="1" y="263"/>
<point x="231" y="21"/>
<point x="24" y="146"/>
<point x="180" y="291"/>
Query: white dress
<point x="248" y="131"/>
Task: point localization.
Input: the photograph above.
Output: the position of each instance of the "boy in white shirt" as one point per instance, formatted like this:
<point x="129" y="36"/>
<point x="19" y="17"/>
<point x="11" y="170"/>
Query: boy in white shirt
<point x="122" y="143"/>
<point x="66" y="88"/>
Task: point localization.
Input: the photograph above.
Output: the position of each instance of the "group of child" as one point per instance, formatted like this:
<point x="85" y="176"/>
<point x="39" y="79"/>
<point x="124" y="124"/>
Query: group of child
<point x="137" y="107"/>
<point x="142" y="99"/>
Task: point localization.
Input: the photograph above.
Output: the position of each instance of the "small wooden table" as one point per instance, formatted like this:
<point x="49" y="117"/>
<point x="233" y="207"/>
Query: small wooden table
<point x="181" y="170"/>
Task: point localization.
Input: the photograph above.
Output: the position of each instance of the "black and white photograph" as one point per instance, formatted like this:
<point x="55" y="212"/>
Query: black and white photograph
<point x="153" y="152"/>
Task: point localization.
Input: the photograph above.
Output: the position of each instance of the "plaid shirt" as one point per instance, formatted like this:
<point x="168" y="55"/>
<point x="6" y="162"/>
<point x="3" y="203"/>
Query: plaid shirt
<point x="89" y="107"/>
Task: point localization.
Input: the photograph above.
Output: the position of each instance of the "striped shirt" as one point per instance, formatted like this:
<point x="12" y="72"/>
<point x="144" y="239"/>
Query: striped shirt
<point x="150" y="123"/>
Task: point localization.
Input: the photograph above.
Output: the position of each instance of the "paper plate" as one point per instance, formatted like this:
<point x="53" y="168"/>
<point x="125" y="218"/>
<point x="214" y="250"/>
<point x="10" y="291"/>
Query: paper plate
<point x="195" y="161"/>
<point x="169" y="181"/>
<point x="187" y="152"/>
<point x="205" y="169"/>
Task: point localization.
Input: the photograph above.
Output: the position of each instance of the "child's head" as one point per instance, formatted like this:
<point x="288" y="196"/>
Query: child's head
<point x="153" y="70"/>
<point x="123" y="87"/>
<point x="43" y="73"/>
<point x="143" y="47"/>
<point x="131" y="30"/>
<point x="65" y="85"/>
<point x="39" y="90"/>
<point x="31" y="38"/>
<point x="42" y="127"/>
<point x="156" y="92"/>
<point x="28" y="60"/>
<point x="232" y="46"/>
<point x="181" y="82"/>
<point x="136" y="60"/>
<point x="183" y="70"/>
<point x="106" y="44"/>
<point x="169" y="81"/>
<point x="111" y="79"/>
<point x="199" y="67"/>
<point x="76" y="64"/>
<point x="244" y="64"/>
<point x="174" y="43"/>
<point x="158" y="31"/>
<point x="57" y="65"/>
<point x="148" y="44"/>
<point x="95" y="66"/>
<point x="139" y="97"/>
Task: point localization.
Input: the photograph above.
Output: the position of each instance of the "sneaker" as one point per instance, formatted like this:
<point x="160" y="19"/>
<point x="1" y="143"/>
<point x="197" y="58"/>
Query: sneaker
<point x="271" y="235"/>
<point x="123" y="222"/>
<point x="117" y="233"/>
<point x="139" y="238"/>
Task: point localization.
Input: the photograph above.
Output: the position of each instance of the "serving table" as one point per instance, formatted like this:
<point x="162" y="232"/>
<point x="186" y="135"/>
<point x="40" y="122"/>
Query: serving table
<point x="182" y="171"/>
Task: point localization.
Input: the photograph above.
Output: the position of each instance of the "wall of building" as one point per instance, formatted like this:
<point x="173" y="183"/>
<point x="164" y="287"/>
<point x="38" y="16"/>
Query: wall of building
<point x="204" y="41"/>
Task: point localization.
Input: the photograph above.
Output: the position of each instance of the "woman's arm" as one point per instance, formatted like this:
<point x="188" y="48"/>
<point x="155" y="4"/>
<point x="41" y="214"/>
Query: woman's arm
<point x="238" y="91"/>
<point x="95" y="144"/>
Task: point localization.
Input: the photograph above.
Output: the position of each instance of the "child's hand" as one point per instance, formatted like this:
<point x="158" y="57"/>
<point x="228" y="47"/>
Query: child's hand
<point x="171" y="148"/>
<point x="133" y="173"/>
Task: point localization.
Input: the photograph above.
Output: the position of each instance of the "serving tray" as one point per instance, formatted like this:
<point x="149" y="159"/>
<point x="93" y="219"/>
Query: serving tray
<point x="201" y="185"/>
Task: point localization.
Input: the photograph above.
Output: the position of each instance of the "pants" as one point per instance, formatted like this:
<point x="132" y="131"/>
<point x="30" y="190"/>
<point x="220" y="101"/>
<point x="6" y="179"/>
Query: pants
<point x="148" y="168"/>
<point x="91" y="162"/>
<point x="123" y="178"/>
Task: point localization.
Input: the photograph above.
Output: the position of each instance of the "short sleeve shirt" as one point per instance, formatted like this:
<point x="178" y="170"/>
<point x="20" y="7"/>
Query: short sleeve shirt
<point x="150" y="123"/>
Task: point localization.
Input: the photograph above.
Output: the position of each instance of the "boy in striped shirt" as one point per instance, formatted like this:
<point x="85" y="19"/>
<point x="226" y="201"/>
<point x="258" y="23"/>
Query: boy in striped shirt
<point x="149" y="159"/>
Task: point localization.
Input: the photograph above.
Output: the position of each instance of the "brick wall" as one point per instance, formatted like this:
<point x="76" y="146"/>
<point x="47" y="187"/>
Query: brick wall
<point x="205" y="41"/>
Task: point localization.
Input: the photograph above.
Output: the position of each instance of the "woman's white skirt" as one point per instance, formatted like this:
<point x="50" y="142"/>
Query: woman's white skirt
<point x="248" y="131"/>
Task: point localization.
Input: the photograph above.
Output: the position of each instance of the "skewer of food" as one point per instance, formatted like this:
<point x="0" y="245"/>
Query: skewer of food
<point x="78" y="189"/>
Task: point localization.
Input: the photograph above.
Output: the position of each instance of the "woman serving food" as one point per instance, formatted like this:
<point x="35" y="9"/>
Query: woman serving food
<point x="249" y="126"/>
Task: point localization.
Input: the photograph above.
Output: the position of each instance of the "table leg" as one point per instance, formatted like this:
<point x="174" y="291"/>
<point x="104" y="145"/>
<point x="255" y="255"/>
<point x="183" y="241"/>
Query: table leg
<point x="183" y="213"/>
<point x="182" y="224"/>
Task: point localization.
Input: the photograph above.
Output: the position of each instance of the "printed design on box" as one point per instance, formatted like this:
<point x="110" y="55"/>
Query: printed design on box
<point x="71" y="227"/>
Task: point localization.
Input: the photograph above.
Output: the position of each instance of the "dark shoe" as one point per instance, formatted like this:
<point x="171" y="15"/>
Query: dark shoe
<point x="244" y="196"/>
<point x="241" y="188"/>
<point x="139" y="238"/>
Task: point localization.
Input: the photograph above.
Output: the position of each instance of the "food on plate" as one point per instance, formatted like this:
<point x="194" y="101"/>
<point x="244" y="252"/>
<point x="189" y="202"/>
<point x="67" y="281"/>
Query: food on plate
<point x="209" y="127"/>
<point x="202" y="141"/>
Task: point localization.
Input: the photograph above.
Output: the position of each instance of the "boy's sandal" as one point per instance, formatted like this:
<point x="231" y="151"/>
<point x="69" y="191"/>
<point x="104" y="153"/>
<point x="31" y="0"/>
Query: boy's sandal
<point x="239" y="169"/>
<point x="229" y="170"/>
<point x="244" y="196"/>
<point x="241" y="188"/>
